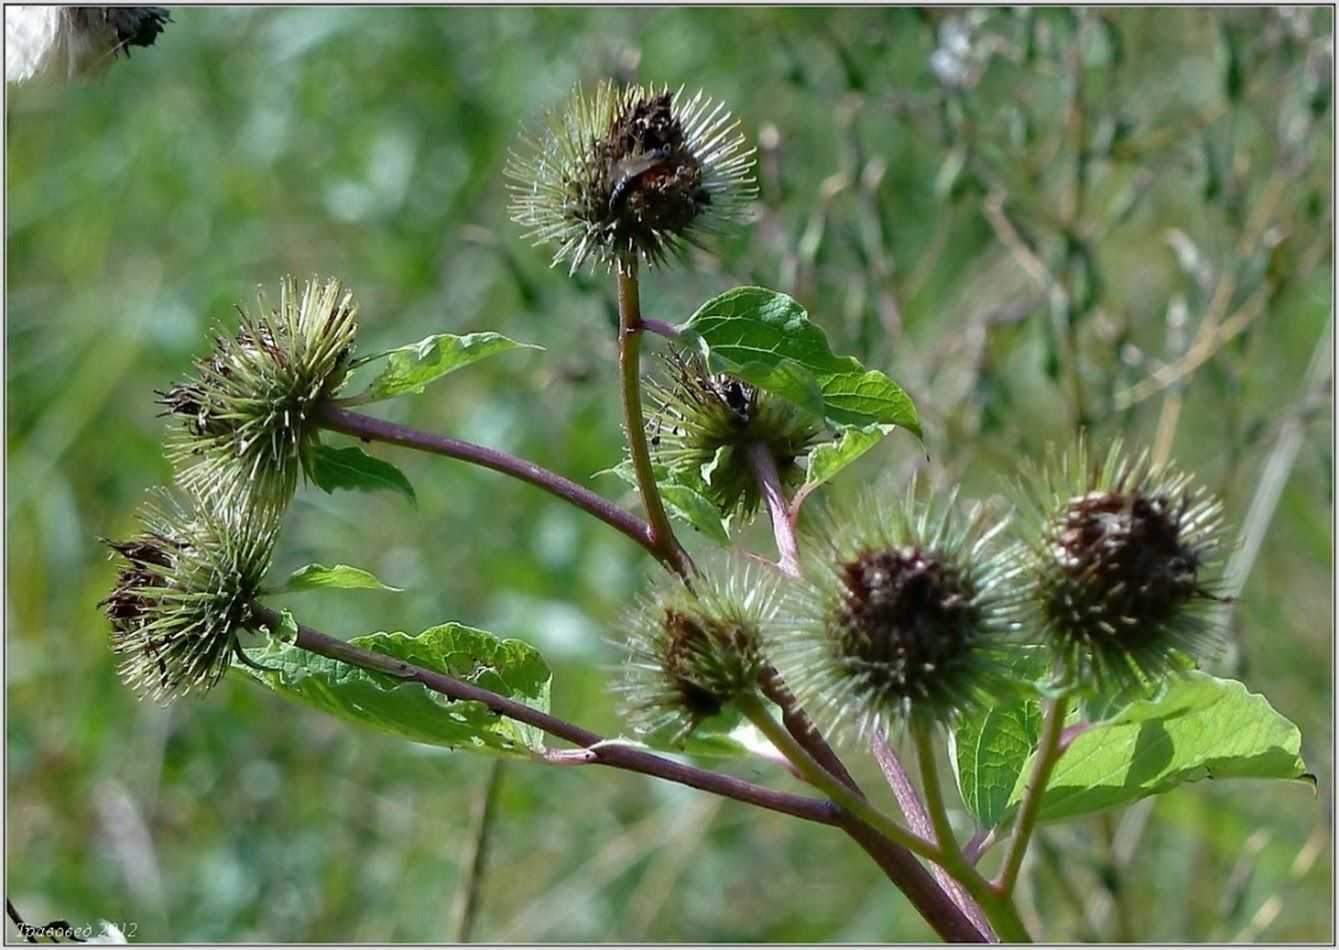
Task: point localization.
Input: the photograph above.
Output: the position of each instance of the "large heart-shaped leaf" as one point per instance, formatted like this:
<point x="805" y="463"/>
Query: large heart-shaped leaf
<point x="1199" y="727"/>
<point x="767" y="339"/>
<point x="410" y="710"/>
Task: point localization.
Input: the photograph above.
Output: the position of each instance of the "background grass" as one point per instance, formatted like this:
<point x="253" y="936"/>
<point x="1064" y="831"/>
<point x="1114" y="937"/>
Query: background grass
<point x="943" y="232"/>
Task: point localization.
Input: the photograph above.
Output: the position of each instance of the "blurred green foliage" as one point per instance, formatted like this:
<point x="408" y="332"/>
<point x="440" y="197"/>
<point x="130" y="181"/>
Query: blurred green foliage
<point x="1018" y="215"/>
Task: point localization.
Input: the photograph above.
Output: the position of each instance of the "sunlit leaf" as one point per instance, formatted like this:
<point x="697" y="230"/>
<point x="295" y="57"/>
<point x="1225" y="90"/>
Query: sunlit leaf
<point x="341" y="576"/>
<point x="990" y="746"/>
<point x="829" y="458"/>
<point x="410" y="368"/>
<point x="408" y="709"/>
<point x="1200" y="727"/>
<point x="767" y="339"/>
<point x="684" y="499"/>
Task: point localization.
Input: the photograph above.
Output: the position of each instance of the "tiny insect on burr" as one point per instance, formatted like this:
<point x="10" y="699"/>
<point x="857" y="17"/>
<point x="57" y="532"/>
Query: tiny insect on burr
<point x="627" y="170"/>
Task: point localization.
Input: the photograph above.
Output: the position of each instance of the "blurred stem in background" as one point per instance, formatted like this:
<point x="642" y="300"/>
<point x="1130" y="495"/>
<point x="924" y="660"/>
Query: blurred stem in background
<point x="486" y="814"/>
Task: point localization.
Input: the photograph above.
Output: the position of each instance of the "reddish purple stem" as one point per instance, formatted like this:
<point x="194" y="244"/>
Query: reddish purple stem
<point x="600" y="751"/>
<point x="661" y="328"/>
<point x="919" y="821"/>
<point x="370" y="429"/>
<point x="769" y="480"/>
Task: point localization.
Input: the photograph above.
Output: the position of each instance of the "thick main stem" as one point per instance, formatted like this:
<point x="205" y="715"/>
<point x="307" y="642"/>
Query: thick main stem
<point x="998" y="910"/>
<point x="915" y="882"/>
<point x="330" y="416"/>
<point x="935" y="904"/>
<point x="1048" y="751"/>
<point x="602" y="752"/>
<point x="630" y="329"/>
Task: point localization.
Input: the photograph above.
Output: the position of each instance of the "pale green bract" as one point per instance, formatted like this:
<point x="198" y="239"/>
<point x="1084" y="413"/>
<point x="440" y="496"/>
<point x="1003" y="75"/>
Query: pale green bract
<point x="829" y="458"/>
<point x="684" y="499"/>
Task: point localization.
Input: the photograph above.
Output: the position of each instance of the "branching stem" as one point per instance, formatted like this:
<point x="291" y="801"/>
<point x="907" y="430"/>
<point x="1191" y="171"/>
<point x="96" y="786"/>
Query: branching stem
<point x="367" y="428"/>
<point x="943" y="910"/>
<point x="1048" y="751"/>
<point x="996" y="904"/>
<point x="819" y="777"/>
<point x="913" y="809"/>
<point x="661" y="328"/>
<point x="854" y="803"/>
<point x="612" y="754"/>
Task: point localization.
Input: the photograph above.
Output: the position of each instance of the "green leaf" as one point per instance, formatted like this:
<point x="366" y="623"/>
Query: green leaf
<point x="341" y="576"/>
<point x="352" y="468"/>
<point x="288" y="627"/>
<point x="1099" y="706"/>
<point x="829" y="458"/>
<point x="684" y="499"/>
<point x="411" y="368"/>
<point x="691" y="506"/>
<point x="1200" y="727"/>
<point x="410" y="710"/>
<point x="785" y="378"/>
<point x="989" y="748"/>
<point x="766" y="338"/>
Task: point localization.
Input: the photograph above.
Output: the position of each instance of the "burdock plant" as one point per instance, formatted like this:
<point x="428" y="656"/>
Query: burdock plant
<point x="186" y="590"/>
<point x="904" y="614"/>
<point x="897" y="619"/>
<point x="705" y="425"/>
<point x="1124" y="556"/>
<point x="245" y="419"/>
<point x="624" y="174"/>
<point x="693" y="649"/>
